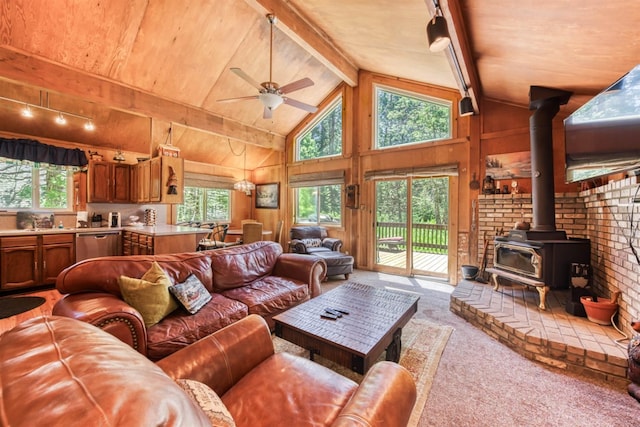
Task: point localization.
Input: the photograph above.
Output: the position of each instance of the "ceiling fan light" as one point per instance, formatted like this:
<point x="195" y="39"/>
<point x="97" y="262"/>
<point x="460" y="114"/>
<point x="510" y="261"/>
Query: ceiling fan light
<point x="438" y="34"/>
<point x="271" y="100"/>
<point x="466" y="106"/>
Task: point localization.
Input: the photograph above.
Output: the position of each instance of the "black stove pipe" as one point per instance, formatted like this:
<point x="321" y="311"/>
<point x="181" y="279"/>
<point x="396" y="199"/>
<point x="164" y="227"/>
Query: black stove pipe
<point x="546" y="103"/>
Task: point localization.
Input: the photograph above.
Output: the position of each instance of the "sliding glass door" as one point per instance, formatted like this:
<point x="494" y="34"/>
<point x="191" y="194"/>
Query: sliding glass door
<point x="411" y="226"/>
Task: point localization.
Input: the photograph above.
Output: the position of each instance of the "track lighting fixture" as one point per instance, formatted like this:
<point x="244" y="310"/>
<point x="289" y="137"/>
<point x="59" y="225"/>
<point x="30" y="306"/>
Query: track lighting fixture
<point x="437" y="31"/>
<point x="61" y="116"/>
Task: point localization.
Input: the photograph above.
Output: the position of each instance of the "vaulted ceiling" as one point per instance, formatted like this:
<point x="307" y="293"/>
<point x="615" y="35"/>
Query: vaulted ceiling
<point x="123" y="61"/>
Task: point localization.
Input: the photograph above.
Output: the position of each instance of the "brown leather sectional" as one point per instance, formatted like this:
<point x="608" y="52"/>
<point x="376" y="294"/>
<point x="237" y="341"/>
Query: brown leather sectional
<point x="257" y="278"/>
<point x="62" y="372"/>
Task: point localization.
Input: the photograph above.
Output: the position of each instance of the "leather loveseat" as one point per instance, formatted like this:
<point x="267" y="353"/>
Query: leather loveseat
<point x="257" y="278"/>
<point x="62" y="372"/>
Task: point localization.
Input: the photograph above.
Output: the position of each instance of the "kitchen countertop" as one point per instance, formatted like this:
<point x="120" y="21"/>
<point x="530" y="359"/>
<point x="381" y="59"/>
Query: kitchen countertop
<point x="158" y="230"/>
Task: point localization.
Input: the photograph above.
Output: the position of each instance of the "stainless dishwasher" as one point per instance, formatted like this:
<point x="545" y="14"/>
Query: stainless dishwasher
<point x="93" y="244"/>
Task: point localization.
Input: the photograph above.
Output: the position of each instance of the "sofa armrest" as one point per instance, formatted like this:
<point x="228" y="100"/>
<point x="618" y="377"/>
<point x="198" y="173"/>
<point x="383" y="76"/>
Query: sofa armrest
<point x="305" y="268"/>
<point x="107" y="312"/>
<point x="297" y="246"/>
<point x="332" y="243"/>
<point x="385" y="397"/>
<point x="221" y="359"/>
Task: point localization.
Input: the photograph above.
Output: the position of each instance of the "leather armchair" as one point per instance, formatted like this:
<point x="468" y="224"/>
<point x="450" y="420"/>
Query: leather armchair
<point x="312" y="239"/>
<point x="60" y="371"/>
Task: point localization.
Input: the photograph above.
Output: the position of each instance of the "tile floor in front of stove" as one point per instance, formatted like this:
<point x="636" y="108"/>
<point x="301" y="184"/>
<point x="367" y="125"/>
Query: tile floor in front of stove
<point x="551" y="336"/>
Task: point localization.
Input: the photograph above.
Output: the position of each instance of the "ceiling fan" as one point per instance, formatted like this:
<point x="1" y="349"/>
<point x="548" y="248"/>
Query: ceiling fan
<point x="271" y="94"/>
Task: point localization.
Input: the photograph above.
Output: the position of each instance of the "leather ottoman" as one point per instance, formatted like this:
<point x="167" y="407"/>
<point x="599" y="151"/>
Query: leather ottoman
<point x="337" y="263"/>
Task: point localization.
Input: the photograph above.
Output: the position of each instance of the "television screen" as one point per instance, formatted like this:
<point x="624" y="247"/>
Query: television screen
<point x="603" y="136"/>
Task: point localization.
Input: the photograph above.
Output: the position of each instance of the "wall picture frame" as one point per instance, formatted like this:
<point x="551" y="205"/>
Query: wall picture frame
<point x="268" y="196"/>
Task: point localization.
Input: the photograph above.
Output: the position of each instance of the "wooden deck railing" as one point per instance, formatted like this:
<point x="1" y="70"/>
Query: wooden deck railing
<point x="430" y="238"/>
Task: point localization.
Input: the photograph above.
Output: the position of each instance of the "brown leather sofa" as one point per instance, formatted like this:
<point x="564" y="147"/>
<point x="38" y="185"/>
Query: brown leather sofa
<point x="59" y="371"/>
<point x="257" y="278"/>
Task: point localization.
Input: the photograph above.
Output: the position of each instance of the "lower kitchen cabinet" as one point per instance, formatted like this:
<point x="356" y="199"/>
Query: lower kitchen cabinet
<point x="29" y="261"/>
<point x="144" y="244"/>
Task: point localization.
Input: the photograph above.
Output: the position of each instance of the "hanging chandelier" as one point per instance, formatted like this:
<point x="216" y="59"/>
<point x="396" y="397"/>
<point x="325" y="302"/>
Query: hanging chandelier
<point x="244" y="185"/>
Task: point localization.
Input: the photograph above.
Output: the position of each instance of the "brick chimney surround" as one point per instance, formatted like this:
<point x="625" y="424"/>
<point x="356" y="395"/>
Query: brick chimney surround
<point x="603" y="215"/>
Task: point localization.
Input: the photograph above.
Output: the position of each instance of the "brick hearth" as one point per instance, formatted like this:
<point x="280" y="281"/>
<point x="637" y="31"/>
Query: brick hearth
<point x="553" y="337"/>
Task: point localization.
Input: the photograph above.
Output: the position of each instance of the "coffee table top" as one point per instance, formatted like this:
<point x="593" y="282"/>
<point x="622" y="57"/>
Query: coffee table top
<point x="373" y="312"/>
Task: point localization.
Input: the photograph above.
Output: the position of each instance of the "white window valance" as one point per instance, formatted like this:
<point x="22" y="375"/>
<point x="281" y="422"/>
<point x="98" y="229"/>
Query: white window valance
<point x="418" y="172"/>
<point x="317" y="178"/>
<point x="192" y="179"/>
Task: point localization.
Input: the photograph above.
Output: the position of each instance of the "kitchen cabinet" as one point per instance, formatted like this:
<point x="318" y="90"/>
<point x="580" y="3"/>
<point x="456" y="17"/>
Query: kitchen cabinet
<point x="145" y="244"/>
<point x="28" y="261"/>
<point x="79" y="191"/>
<point x="108" y="182"/>
<point x="160" y="180"/>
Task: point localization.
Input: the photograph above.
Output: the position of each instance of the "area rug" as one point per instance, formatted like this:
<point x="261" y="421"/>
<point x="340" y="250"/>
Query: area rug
<point x="10" y="306"/>
<point x="422" y="345"/>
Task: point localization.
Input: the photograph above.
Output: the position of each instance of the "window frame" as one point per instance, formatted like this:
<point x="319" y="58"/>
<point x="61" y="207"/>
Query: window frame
<point x="203" y="202"/>
<point x="35" y="188"/>
<point x="296" y="206"/>
<point x="328" y="109"/>
<point x="411" y="94"/>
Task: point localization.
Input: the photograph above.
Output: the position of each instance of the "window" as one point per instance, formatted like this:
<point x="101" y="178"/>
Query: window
<point x="405" y="118"/>
<point x="205" y="205"/>
<point x="323" y="137"/>
<point x="32" y="186"/>
<point x="319" y="205"/>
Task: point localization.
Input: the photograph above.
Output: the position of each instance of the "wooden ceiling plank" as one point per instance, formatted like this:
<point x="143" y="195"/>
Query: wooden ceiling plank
<point x="309" y="37"/>
<point x="45" y="74"/>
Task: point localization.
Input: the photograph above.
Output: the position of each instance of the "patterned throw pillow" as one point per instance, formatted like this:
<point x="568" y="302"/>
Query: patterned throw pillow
<point x="208" y="401"/>
<point x="149" y="294"/>
<point x="312" y="243"/>
<point x="191" y="294"/>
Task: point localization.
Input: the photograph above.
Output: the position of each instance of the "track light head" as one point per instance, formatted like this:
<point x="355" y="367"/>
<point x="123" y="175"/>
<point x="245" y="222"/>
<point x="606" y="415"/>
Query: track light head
<point x="438" y="33"/>
<point x="466" y="106"/>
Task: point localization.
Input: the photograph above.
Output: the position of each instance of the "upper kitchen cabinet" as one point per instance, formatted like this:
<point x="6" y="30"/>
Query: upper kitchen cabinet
<point x="108" y="182"/>
<point x="160" y="180"/>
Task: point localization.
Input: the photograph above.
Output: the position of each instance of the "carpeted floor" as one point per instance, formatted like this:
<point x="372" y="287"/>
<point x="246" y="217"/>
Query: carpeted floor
<point x="422" y="346"/>
<point x="479" y="382"/>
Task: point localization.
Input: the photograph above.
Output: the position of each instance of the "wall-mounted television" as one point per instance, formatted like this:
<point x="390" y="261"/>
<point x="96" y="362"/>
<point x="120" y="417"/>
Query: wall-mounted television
<point x="603" y="136"/>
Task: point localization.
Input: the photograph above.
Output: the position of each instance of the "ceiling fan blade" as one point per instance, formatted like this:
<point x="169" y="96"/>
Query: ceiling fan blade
<point x="246" y="78"/>
<point x="242" y="98"/>
<point x="301" y="105"/>
<point x="297" y="85"/>
<point x="268" y="113"/>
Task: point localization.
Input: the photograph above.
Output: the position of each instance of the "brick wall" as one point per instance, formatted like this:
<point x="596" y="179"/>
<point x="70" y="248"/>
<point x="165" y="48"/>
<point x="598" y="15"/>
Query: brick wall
<point x="605" y="215"/>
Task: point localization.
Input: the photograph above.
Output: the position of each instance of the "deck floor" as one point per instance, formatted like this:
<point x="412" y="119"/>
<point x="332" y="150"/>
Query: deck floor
<point x="430" y="263"/>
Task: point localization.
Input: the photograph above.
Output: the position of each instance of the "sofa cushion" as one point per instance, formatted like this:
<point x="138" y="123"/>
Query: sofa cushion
<point x="241" y="265"/>
<point x="149" y="294"/>
<point x="208" y="401"/>
<point x="330" y="390"/>
<point x="180" y="329"/>
<point x="270" y="295"/>
<point x="191" y="294"/>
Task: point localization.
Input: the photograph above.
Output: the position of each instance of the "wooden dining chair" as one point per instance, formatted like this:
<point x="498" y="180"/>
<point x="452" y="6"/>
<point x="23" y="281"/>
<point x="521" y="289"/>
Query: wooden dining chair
<point x="251" y="232"/>
<point x="247" y="221"/>
<point x="215" y="239"/>
<point x="278" y="231"/>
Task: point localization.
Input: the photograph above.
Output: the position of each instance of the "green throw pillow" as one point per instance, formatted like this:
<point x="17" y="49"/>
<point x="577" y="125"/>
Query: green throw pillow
<point x="149" y="294"/>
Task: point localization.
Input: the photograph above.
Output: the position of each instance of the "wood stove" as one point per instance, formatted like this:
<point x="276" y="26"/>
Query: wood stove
<point x="541" y="257"/>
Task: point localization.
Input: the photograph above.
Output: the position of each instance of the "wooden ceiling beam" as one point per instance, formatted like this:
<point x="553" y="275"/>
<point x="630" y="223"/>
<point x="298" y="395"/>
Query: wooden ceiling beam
<point x="309" y="37"/>
<point x="47" y="75"/>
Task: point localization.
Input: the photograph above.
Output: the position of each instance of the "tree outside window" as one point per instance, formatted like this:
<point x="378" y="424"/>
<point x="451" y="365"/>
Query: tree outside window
<point x="323" y="138"/>
<point x="205" y="205"/>
<point x="31" y="186"/>
<point x="320" y="205"/>
<point x="404" y="118"/>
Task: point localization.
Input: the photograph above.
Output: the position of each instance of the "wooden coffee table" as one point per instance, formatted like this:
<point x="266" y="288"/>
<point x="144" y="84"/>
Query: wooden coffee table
<point x="355" y="340"/>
